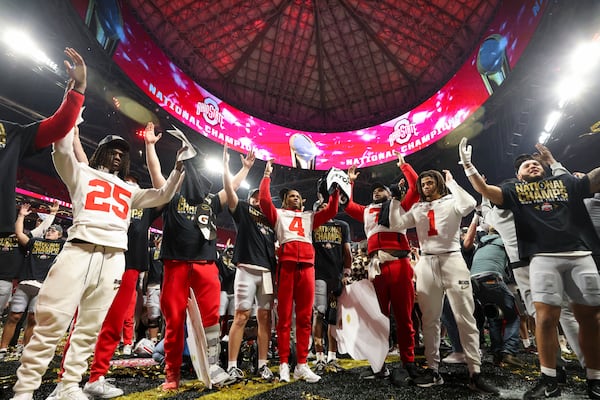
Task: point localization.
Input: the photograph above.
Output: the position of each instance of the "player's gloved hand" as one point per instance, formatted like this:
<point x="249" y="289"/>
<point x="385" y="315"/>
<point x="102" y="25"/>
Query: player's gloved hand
<point x="464" y="152"/>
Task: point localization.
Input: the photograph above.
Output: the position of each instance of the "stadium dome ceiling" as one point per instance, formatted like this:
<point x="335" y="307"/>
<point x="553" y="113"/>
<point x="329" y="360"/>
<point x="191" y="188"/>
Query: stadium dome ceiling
<point x="318" y="65"/>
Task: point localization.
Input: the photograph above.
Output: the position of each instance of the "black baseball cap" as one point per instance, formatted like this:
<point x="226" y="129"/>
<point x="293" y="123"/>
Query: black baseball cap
<point x="379" y="185"/>
<point x="252" y="192"/>
<point x="114" y="141"/>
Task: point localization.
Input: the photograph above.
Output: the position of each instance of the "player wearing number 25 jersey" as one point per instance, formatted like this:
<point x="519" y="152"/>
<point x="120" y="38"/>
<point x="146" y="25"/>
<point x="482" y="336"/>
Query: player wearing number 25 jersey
<point x="87" y="273"/>
<point x="296" y="270"/>
<point x="442" y="269"/>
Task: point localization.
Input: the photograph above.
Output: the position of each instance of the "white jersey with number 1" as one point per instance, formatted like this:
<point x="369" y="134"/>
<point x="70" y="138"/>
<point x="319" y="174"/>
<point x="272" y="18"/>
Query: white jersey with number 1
<point x="438" y="221"/>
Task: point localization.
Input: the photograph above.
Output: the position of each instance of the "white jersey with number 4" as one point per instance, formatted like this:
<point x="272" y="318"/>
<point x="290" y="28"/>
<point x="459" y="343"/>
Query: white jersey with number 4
<point x="438" y="221"/>
<point x="294" y="225"/>
<point x="102" y="202"/>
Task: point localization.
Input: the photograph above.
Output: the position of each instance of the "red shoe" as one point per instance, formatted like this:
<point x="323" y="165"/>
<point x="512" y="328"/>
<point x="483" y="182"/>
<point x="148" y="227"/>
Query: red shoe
<point x="169" y="385"/>
<point x="171" y="380"/>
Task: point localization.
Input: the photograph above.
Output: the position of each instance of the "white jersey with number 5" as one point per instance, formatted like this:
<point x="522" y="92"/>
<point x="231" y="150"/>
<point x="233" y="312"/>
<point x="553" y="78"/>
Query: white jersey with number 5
<point x="294" y="225"/>
<point x="102" y="202"/>
<point x="438" y="221"/>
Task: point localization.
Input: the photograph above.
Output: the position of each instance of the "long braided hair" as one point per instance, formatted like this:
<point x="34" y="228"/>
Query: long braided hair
<point x="103" y="157"/>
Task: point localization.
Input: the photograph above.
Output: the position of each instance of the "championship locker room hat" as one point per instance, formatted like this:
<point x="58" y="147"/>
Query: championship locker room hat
<point x="252" y="193"/>
<point x="378" y="185"/>
<point x="114" y="141"/>
<point x="57" y="228"/>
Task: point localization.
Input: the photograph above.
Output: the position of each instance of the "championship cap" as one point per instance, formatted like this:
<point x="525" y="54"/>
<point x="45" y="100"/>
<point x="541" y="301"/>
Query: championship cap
<point x="114" y="141"/>
<point x="252" y="193"/>
<point x="378" y="185"/>
<point x="57" y="228"/>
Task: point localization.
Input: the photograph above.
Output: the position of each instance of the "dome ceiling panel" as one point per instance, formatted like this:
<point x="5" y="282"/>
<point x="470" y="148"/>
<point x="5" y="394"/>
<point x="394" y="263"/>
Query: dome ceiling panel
<point x="318" y="65"/>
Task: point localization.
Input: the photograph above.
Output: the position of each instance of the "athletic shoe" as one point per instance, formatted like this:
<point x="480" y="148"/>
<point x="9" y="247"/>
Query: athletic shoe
<point x="235" y="373"/>
<point x="369" y="374"/>
<point x="455" y="358"/>
<point x="512" y="360"/>
<point x="593" y="388"/>
<point x="478" y="384"/>
<point x="127" y="349"/>
<point x="531" y="349"/>
<point x="333" y="366"/>
<point x="412" y="370"/>
<point x="320" y="367"/>
<point x="23" y="396"/>
<point x="265" y="373"/>
<point x="3" y="353"/>
<point x="54" y="394"/>
<point x="303" y="372"/>
<point x="429" y="378"/>
<point x="284" y="372"/>
<point x="561" y="375"/>
<point x="218" y="376"/>
<point x="72" y="393"/>
<point x="102" y="388"/>
<point x="547" y="386"/>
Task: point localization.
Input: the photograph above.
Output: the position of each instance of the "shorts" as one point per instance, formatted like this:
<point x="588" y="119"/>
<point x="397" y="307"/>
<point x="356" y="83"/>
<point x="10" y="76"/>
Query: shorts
<point x="249" y="288"/>
<point x="321" y="296"/>
<point x="6" y="288"/>
<point x="24" y="299"/>
<point x="575" y="276"/>
<point x="153" y="302"/>
<point x="226" y="304"/>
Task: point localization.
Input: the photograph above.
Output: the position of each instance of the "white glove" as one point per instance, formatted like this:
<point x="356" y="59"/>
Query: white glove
<point x="464" y="152"/>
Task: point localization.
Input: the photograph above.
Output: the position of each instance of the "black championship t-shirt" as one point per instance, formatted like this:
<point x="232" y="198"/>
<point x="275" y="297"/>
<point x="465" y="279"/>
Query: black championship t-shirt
<point x="136" y="256"/>
<point x="255" y="239"/>
<point x="11" y="257"/>
<point x="550" y="216"/>
<point x="155" y="270"/>
<point x="40" y="257"/>
<point x="16" y="142"/>
<point x="182" y="238"/>
<point x="328" y="241"/>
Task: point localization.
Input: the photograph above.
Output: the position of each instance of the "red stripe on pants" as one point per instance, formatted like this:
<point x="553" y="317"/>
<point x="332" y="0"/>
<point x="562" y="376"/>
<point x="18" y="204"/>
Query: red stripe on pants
<point x="110" y="334"/>
<point x="395" y="287"/>
<point x="295" y="284"/>
<point x="179" y="276"/>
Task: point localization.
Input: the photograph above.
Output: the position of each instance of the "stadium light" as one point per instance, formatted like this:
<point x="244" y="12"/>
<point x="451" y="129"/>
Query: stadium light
<point x="22" y="44"/>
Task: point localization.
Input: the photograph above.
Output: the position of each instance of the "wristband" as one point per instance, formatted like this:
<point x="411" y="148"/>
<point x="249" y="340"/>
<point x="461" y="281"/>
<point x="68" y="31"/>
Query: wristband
<point x="471" y="171"/>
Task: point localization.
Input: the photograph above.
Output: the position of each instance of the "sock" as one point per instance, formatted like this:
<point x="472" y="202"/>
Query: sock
<point x="331" y="355"/>
<point x="320" y="356"/>
<point x="261" y="363"/>
<point x="592" y="373"/>
<point x="526" y="342"/>
<point x="231" y="364"/>
<point x="549" y="371"/>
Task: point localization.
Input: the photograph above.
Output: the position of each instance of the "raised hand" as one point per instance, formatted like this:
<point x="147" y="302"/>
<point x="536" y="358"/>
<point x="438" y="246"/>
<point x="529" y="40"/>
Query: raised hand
<point x="150" y="137"/>
<point x="269" y="168"/>
<point x="448" y="175"/>
<point x="248" y="160"/>
<point x="401" y="160"/>
<point x="353" y="173"/>
<point x="77" y="71"/>
<point x="25" y="209"/>
<point x="464" y="152"/>
<point x="544" y="155"/>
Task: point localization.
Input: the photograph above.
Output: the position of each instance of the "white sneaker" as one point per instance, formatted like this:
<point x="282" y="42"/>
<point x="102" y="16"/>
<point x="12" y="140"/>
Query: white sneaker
<point x="54" y="394"/>
<point x="127" y="349"/>
<point x="302" y="371"/>
<point x="455" y="358"/>
<point x="284" y="372"/>
<point x="235" y="373"/>
<point x="102" y="388"/>
<point x="23" y="396"/>
<point x="72" y="393"/>
<point x="218" y="376"/>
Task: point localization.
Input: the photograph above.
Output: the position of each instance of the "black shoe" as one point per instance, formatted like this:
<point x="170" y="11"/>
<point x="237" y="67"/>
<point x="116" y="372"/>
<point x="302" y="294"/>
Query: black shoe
<point x="369" y="374"/>
<point x="413" y="371"/>
<point x="429" y="378"/>
<point x="400" y="377"/>
<point x="593" y="388"/>
<point x="561" y="375"/>
<point x="320" y="367"/>
<point x="512" y="360"/>
<point x="478" y="384"/>
<point x="546" y="387"/>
